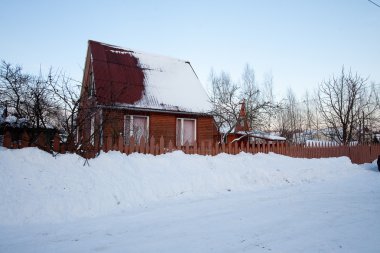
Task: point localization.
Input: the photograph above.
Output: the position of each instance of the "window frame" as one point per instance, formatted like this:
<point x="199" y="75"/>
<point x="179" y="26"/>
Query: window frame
<point x="131" y="117"/>
<point x="182" y="143"/>
<point x="91" y="84"/>
<point x="101" y="128"/>
<point x="92" y="130"/>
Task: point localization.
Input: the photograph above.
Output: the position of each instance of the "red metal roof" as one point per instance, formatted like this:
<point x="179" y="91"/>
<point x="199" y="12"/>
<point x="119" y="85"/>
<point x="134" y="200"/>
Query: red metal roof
<point x="118" y="75"/>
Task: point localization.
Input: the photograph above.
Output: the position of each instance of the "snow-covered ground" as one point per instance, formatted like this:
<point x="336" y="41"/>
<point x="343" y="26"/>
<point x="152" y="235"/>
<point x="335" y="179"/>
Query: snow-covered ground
<point x="186" y="203"/>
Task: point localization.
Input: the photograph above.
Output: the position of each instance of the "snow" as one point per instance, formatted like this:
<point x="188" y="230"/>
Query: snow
<point x="187" y="203"/>
<point x="262" y="135"/>
<point x="13" y="121"/>
<point x="170" y="84"/>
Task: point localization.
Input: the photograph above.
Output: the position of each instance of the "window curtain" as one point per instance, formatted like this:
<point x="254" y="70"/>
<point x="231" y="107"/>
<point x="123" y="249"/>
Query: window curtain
<point x="140" y="127"/>
<point x="188" y="131"/>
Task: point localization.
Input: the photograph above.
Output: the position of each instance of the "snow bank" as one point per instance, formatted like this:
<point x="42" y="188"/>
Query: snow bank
<point x="36" y="187"/>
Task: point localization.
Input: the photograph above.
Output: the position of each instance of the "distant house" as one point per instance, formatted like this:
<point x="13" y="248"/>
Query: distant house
<point x="243" y="132"/>
<point x="128" y="93"/>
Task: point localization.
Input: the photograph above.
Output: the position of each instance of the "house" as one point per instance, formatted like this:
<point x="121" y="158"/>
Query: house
<point x="243" y="132"/>
<point x="128" y="93"/>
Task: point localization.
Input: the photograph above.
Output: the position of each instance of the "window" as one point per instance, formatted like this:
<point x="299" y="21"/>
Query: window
<point x="186" y="131"/>
<point x="136" y="126"/>
<point x="91" y="85"/>
<point x="92" y="131"/>
<point x="101" y="128"/>
<point x="241" y="120"/>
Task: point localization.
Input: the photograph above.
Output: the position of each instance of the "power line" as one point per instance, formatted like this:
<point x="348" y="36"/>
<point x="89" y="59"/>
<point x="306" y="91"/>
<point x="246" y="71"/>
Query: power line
<point x="374" y="3"/>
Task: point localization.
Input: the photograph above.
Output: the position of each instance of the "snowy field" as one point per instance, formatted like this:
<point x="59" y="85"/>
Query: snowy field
<point x="186" y="203"/>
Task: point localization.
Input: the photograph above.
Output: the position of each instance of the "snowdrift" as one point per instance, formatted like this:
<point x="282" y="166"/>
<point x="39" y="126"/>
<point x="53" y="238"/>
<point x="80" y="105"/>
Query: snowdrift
<point x="36" y="187"/>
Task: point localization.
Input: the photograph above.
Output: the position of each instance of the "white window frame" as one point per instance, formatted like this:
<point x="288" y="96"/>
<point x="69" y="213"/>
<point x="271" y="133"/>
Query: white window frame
<point x="92" y="130"/>
<point x="101" y="128"/>
<point x="91" y="84"/>
<point x="131" y="125"/>
<point x="181" y="130"/>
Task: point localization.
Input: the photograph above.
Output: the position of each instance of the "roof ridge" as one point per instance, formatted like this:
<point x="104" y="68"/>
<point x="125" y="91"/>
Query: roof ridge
<point x="130" y="50"/>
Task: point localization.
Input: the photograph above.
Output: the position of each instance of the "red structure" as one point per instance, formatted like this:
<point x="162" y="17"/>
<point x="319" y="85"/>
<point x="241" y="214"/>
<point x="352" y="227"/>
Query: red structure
<point x="244" y="133"/>
<point x="127" y="93"/>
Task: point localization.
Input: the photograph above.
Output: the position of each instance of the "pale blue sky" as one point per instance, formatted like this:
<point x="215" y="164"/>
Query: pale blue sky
<point x="301" y="42"/>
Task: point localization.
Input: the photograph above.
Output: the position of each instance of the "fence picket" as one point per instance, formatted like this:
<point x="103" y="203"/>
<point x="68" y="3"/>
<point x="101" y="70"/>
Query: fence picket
<point x="152" y="146"/>
<point x="209" y="148"/>
<point x="187" y="148"/>
<point x="56" y="141"/>
<point x="25" y="140"/>
<point x="161" y="145"/>
<point x="170" y="147"/>
<point x="120" y="145"/>
<point x="216" y="148"/>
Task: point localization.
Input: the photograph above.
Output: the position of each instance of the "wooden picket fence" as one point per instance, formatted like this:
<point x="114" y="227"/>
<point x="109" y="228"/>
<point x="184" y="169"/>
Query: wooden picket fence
<point x="357" y="153"/>
<point x="42" y="141"/>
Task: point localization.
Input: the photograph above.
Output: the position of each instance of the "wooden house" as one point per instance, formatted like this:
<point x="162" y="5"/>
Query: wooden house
<point x="128" y="93"/>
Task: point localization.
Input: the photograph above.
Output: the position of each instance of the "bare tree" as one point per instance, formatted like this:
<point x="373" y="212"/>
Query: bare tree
<point x="227" y="97"/>
<point x="342" y="100"/>
<point x="290" y="118"/>
<point x="45" y="101"/>
<point x="13" y="87"/>
<point x="66" y="92"/>
<point x="258" y="100"/>
<point x="225" y="101"/>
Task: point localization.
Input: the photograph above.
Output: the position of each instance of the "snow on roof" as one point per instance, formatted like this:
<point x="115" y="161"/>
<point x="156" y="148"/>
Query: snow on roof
<point x="262" y="135"/>
<point x="168" y="83"/>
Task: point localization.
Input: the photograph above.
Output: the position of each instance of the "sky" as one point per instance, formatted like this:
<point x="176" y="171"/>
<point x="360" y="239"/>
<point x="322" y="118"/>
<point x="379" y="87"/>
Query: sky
<point x="299" y="42"/>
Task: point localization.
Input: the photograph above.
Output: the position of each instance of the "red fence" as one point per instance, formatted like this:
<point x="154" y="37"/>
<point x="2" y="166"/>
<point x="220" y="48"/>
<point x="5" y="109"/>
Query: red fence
<point x="358" y="153"/>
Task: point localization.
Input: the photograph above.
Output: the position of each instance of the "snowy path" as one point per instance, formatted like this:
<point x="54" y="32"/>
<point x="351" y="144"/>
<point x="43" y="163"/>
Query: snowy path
<point x="339" y="215"/>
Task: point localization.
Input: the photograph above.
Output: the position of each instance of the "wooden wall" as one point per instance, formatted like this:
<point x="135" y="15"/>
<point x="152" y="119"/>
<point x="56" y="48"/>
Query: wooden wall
<point x="160" y="124"/>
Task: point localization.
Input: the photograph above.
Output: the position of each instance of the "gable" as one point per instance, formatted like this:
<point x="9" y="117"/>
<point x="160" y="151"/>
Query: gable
<point x="133" y="79"/>
<point x="118" y="77"/>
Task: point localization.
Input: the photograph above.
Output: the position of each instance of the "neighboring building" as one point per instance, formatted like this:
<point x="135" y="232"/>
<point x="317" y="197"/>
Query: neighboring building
<point x="128" y="93"/>
<point x="243" y="132"/>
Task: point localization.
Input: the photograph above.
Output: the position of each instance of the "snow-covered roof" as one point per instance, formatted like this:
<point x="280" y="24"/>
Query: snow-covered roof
<point x="144" y="80"/>
<point x="262" y="135"/>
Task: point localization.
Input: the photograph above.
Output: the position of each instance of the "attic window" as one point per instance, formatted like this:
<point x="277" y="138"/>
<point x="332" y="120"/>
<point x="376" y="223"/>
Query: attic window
<point x="136" y="126"/>
<point x="186" y="131"/>
<point x="241" y="122"/>
<point x="91" y="85"/>
<point x="92" y="131"/>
